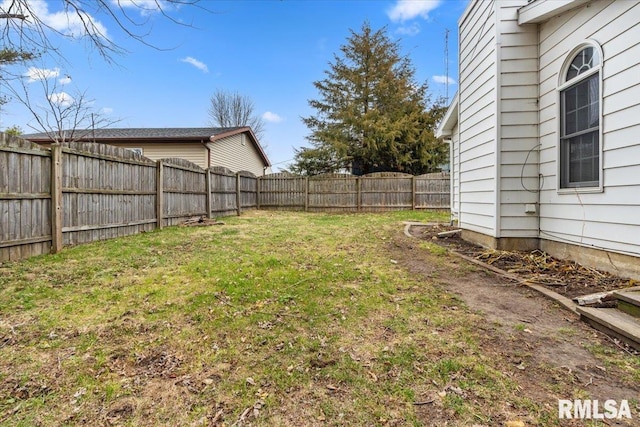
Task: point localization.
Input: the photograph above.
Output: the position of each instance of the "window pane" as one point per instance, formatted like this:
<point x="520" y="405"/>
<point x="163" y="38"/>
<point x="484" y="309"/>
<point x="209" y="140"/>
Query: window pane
<point x="571" y="120"/>
<point x="583" y="61"/>
<point x="581" y="106"/>
<point x="582" y="159"/>
<point x="594" y="96"/>
<point x="570" y="99"/>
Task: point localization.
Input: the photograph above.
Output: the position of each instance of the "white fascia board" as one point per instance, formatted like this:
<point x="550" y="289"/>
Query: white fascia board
<point x="449" y="120"/>
<point x="466" y="12"/>
<point x="537" y="11"/>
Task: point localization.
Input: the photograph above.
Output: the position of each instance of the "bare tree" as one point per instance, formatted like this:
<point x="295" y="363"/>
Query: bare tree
<point x="28" y="29"/>
<point x="232" y="109"/>
<point x="28" y="25"/>
<point x="64" y="115"/>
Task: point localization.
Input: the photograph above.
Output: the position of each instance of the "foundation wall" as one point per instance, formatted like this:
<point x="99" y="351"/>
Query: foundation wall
<point x="504" y="244"/>
<point x="612" y="262"/>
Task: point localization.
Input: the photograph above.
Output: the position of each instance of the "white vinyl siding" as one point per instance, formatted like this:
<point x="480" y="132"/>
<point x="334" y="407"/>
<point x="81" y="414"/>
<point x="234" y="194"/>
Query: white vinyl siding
<point x="455" y="173"/>
<point x="609" y="219"/>
<point x="518" y="123"/>
<point x="237" y="153"/>
<point x="193" y="152"/>
<point x="477" y="119"/>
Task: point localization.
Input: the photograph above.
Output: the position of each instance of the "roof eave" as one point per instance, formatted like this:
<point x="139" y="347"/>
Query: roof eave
<point x="538" y="11"/>
<point x="449" y="120"/>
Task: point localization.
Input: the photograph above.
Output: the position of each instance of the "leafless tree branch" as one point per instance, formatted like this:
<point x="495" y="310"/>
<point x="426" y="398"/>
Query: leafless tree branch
<point x="24" y="26"/>
<point x="232" y="109"/>
<point x="62" y="116"/>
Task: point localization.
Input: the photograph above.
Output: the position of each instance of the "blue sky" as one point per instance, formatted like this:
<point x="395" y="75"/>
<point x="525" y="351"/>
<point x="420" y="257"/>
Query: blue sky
<point x="269" y="50"/>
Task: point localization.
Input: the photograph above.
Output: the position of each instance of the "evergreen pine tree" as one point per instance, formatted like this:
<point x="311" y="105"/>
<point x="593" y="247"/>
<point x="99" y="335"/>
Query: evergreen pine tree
<point x="372" y="113"/>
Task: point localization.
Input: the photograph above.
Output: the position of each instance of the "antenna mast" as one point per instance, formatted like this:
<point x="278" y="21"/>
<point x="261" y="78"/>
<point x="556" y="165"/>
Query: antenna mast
<point x="446" y="63"/>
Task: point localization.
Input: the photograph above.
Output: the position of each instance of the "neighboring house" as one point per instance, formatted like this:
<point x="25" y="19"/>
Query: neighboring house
<point x="545" y="129"/>
<point x="236" y="148"/>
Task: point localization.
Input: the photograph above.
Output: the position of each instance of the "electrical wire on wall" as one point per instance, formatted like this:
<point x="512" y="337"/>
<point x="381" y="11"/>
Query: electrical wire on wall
<point x="540" y="176"/>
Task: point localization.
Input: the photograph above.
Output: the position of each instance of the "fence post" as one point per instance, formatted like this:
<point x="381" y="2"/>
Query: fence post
<point x="306" y="193"/>
<point x="238" y="194"/>
<point x="358" y="194"/>
<point x="413" y="193"/>
<point x="56" y="198"/>
<point x="159" y="193"/>
<point x="258" y="180"/>
<point x="207" y="184"/>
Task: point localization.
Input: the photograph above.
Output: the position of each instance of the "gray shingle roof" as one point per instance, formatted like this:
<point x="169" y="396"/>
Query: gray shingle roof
<point x="140" y="133"/>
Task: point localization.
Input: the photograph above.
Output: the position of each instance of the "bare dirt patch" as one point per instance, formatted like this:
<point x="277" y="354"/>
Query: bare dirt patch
<point x="545" y="349"/>
<point x="565" y="277"/>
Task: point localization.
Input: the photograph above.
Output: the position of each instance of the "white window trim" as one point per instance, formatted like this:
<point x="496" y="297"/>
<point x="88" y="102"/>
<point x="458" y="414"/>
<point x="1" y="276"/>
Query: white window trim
<point x="562" y="85"/>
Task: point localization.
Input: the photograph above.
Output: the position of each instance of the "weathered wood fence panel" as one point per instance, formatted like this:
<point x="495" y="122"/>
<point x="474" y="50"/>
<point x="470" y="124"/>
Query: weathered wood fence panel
<point x="25" y="199"/>
<point x="282" y="191"/>
<point x="184" y="191"/>
<point x="223" y="192"/>
<point x="382" y="191"/>
<point x="386" y="191"/>
<point x="432" y="191"/>
<point x="333" y="193"/>
<point x="107" y="192"/>
<point x="248" y="190"/>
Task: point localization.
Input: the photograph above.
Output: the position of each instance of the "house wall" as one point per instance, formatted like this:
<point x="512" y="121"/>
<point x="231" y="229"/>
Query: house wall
<point x="518" y="123"/>
<point x="477" y="119"/>
<point x="609" y="219"/>
<point x="237" y="153"/>
<point x="193" y="152"/>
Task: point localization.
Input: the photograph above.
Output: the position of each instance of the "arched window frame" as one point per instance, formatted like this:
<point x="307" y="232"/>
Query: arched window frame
<point x="564" y="84"/>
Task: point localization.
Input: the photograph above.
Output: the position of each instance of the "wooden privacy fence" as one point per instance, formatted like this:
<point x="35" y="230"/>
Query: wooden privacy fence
<point x="75" y="193"/>
<point x="347" y="193"/>
<point x="78" y="193"/>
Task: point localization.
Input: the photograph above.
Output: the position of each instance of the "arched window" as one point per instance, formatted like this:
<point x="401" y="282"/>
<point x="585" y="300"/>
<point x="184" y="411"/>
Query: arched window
<point x="580" y="102"/>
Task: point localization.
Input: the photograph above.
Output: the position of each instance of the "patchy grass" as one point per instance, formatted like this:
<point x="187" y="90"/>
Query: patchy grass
<point x="271" y="319"/>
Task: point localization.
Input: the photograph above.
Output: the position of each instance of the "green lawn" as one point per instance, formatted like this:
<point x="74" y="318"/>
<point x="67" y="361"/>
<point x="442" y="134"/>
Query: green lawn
<point x="271" y="319"/>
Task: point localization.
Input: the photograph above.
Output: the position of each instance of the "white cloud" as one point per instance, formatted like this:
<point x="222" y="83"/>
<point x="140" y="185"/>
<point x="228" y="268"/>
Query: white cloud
<point x="68" y="23"/>
<point x="36" y="74"/>
<point x="106" y="111"/>
<point x="198" y="64"/>
<point x="409" y="30"/>
<point x="444" y="80"/>
<point x="271" y="117"/>
<point x="65" y="80"/>
<point x="145" y="7"/>
<point x="405" y="10"/>
<point x="63" y="99"/>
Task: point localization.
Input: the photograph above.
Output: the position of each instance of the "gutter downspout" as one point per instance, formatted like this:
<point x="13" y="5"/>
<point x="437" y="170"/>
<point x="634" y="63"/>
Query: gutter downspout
<point x="451" y="179"/>
<point x="498" y="133"/>
<point x="540" y="177"/>
<point x="459" y="130"/>
<point x="206" y="147"/>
